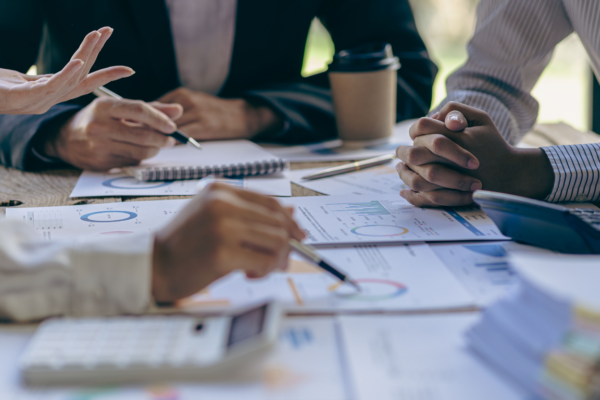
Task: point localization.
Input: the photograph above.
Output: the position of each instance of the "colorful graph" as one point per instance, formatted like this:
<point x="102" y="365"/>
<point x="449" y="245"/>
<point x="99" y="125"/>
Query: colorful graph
<point x="129" y="182"/>
<point x="492" y="250"/>
<point x="370" y="208"/>
<point x="371" y="290"/>
<point x="379" y="230"/>
<point x="109" y="216"/>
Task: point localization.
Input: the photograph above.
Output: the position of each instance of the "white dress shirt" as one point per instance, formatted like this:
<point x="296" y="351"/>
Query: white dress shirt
<point x="99" y="277"/>
<point x="40" y="279"/>
<point x="512" y="45"/>
<point x="203" y="33"/>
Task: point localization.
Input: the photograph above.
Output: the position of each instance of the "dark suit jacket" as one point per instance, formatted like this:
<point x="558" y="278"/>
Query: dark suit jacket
<point x="267" y="59"/>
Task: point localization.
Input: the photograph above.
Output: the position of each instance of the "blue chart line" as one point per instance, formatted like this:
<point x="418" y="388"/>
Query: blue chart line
<point x="492" y="250"/>
<point x="109" y="216"/>
<point x="499" y="273"/>
<point x="368" y="208"/>
<point x="463" y="221"/>
<point x="129" y="182"/>
<point x="298" y="337"/>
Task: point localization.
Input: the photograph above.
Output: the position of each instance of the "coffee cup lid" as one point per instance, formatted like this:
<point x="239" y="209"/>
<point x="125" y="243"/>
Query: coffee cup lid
<point x="367" y="58"/>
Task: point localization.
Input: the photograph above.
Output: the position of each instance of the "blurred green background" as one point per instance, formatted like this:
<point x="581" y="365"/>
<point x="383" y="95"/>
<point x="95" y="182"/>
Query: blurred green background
<point x="447" y="25"/>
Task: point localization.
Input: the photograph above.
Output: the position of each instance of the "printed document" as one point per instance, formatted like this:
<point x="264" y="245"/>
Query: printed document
<point x="417" y="358"/>
<point x="387" y="219"/>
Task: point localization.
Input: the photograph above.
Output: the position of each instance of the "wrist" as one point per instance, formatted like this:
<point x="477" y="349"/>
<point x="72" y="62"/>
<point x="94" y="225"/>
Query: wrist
<point x="262" y="119"/>
<point x="46" y="141"/>
<point x="534" y="173"/>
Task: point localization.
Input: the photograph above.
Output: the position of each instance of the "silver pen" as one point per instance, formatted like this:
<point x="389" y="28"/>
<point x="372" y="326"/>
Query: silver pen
<point x="309" y="253"/>
<point x="177" y="135"/>
<point x="351" y="167"/>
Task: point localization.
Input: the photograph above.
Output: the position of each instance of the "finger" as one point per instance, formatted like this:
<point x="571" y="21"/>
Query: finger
<point x="274" y="206"/>
<point x="413" y="180"/>
<point x="105" y="34"/>
<point x="265" y="238"/>
<point x="138" y="111"/>
<point x="97" y="79"/>
<point x="427" y="126"/>
<point x="417" y="155"/>
<point x="474" y="116"/>
<point x="455" y="121"/>
<point x="445" y="177"/>
<point x="173" y="111"/>
<point x="446" y="149"/>
<point x="55" y="86"/>
<point x="134" y="135"/>
<point x="438" y="198"/>
<point x="85" y="50"/>
<point x="132" y="153"/>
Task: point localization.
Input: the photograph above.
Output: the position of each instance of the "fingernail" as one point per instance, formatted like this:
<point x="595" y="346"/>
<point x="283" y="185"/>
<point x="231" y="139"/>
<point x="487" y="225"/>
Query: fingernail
<point x="132" y="71"/>
<point x="436" y="115"/>
<point x="472" y="163"/>
<point x="170" y="142"/>
<point x="402" y="195"/>
<point x="476" y="186"/>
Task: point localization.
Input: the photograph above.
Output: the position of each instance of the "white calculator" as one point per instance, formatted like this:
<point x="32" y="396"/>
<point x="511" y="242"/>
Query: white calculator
<point x="150" y="348"/>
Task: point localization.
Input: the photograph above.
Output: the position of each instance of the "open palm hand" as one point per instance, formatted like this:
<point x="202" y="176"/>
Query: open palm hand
<point x="25" y="94"/>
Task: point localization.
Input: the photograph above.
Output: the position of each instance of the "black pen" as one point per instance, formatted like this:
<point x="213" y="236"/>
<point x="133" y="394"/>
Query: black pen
<point x="177" y="135"/>
<point x="309" y="253"/>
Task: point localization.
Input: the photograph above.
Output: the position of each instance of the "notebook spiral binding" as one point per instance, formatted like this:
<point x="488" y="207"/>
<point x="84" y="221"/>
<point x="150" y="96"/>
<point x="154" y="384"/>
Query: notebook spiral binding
<point x="183" y="173"/>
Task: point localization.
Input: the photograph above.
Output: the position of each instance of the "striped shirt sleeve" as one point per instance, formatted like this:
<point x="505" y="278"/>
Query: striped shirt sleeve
<point x="512" y="45"/>
<point x="576" y="172"/>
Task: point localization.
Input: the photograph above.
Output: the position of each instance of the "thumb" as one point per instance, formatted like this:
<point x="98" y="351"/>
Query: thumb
<point x="456" y="121"/>
<point x="173" y="111"/>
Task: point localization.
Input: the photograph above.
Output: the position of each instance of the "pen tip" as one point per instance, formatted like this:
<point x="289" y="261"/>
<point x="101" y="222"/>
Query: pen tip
<point x="355" y="285"/>
<point x="195" y="144"/>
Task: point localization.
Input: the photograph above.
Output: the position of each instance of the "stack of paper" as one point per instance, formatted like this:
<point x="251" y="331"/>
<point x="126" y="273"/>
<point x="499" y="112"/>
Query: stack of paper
<point x="546" y="336"/>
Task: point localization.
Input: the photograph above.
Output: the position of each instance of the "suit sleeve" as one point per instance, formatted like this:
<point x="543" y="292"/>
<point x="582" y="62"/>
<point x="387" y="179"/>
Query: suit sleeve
<point x="307" y="104"/>
<point x="101" y="277"/>
<point x="24" y="19"/>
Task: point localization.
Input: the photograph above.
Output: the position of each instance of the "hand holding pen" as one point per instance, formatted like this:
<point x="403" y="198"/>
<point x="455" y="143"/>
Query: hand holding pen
<point x="177" y="135"/>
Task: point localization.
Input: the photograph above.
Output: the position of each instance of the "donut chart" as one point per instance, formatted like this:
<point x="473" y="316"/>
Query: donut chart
<point x="108" y="216"/>
<point x="130" y="183"/>
<point x="372" y="290"/>
<point x="379" y="230"/>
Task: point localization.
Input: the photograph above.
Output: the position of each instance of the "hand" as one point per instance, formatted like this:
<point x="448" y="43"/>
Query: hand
<point x="111" y="133"/>
<point x="25" y="94"/>
<point x="206" y="117"/>
<point x="460" y="151"/>
<point x="224" y="229"/>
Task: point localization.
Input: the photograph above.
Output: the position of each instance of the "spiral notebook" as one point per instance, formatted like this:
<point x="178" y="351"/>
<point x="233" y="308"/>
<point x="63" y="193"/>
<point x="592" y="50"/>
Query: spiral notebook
<point x="221" y="158"/>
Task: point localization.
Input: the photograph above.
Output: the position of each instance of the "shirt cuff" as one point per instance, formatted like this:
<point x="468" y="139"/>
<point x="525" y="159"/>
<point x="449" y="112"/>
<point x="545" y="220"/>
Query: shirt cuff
<point x="112" y="277"/>
<point x="576" y="172"/>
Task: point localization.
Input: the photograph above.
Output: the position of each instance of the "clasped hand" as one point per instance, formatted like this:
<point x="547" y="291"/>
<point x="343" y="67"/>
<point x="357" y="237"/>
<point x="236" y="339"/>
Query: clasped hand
<point x="460" y="150"/>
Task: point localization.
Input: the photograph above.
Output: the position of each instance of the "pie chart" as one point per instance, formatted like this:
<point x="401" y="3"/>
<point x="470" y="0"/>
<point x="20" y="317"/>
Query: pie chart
<point x="371" y="290"/>
<point x="109" y="216"/>
<point x="379" y="230"/>
<point x="129" y="182"/>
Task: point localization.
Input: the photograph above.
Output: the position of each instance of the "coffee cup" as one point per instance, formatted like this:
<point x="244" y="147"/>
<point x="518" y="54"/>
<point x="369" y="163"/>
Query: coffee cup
<point x="363" y="86"/>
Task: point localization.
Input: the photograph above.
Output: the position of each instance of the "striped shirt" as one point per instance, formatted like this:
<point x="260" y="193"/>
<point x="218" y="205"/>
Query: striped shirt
<point x="512" y="45"/>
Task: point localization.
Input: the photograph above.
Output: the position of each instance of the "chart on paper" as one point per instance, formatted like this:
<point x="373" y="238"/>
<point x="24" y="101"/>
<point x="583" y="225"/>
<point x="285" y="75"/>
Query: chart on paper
<point x="98" y="184"/>
<point x="418" y="358"/>
<point x="377" y="180"/>
<point x="484" y="268"/>
<point x="98" y="220"/>
<point x="393" y="277"/>
<point x="387" y="218"/>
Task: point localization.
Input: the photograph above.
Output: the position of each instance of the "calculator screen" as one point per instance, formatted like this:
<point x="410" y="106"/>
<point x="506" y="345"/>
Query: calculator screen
<point x="247" y="325"/>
